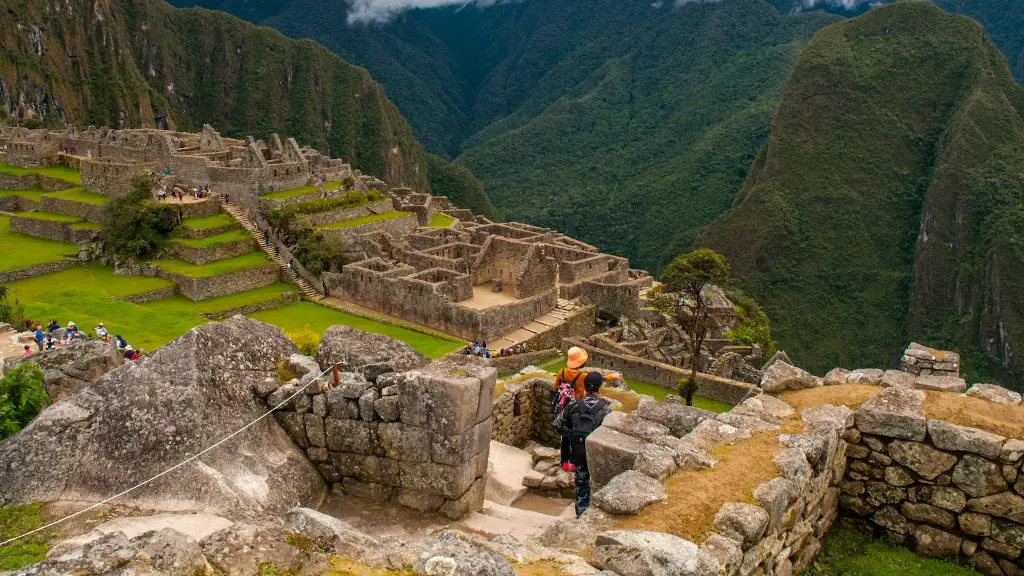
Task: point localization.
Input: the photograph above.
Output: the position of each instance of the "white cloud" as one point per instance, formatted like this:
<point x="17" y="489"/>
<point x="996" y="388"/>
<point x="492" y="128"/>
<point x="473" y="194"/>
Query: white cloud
<point x="847" y="4"/>
<point x="371" y="11"/>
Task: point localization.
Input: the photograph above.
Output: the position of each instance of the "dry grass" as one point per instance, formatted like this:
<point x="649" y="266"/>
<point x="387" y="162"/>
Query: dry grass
<point x="346" y="567"/>
<point x="541" y="568"/>
<point x="628" y="401"/>
<point x="976" y="413"/>
<point x="849" y="395"/>
<point x="695" y="497"/>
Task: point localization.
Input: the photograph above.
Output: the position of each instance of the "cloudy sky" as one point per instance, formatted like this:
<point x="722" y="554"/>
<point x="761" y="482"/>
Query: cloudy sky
<point x="383" y="10"/>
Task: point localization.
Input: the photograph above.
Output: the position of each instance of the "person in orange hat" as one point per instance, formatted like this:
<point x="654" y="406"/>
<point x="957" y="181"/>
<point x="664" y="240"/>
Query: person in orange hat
<point x="569" y="386"/>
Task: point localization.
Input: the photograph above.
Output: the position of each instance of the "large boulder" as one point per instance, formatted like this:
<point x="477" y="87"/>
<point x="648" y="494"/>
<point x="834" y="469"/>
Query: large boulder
<point x="506" y="468"/>
<point x="629" y="493"/>
<point x="165" y="552"/>
<point x="782" y="376"/>
<point x="895" y="413"/>
<point x="643" y="553"/>
<point x="994" y="393"/>
<point x="68" y="369"/>
<point x="144" y="417"/>
<point x="357" y="351"/>
<point x="454" y="555"/>
<point x="679" y="418"/>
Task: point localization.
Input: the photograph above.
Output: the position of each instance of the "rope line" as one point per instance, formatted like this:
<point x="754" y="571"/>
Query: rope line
<point x="171" y="469"/>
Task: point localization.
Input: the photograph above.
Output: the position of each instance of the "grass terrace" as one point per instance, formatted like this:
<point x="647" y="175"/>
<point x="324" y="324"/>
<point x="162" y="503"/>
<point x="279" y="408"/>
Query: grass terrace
<point x="86" y="226"/>
<point x="217" y="268"/>
<point x="79" y="195"/>
<point x="849" y="553"/>
<point x="296" y="316"/>
<point x="22" y="250"/>
<point x="438" y="220"/>
<point x="300" y="191"/>
<point x="215" y="221"/>
<point x="87" y="295"/>
<point x="229" y="236"/>
<point x="60" y="172"/>
<point x="361" y="220"/>
<point x="32" y="194"/>
<point x="50" y="216"/>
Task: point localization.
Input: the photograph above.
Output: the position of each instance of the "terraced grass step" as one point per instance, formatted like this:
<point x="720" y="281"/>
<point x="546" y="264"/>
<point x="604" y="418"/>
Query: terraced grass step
<point x="300" y="191"/>
<point x="438" y="220"/>
<point x="60" y="172"/>
<point x="79" y="195"/>
<point x="222" y="238"/>
<point x="32" y="194"/>
<point x="250" y="260"/>
<point x="50" y="217"/>
<point x="86" y="226"/>
<point x="21" y="250"/>
<point x="361" y="220"/>
<point x="215" y="221"/>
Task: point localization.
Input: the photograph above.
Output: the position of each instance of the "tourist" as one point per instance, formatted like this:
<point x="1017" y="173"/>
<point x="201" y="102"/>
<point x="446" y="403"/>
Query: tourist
<point x="579" y="420"/>
<point x="39" y="337"/>
<point x="28" y="350"/>
<point x="72" y="328"/>
<point x="52" y="326"/>
<point x="101" y="333"/>
<point x="121" y="344"/>
<point x="77" y="337"/>
<point x="128" y="352"/>
<point x="50" y="342"/>
<point x="65" y="338"/>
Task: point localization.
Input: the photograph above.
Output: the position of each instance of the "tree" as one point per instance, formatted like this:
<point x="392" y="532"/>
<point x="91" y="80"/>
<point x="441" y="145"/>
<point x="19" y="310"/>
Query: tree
<point x="133" y="227"/>
<point x="21" y="398"/>
<point x="685" y="280"/>
<point x="11" y="311"/>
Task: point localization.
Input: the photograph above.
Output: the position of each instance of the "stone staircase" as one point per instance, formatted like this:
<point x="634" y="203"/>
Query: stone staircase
<point x="235" y="212"/>
<point x="563" y="309"/>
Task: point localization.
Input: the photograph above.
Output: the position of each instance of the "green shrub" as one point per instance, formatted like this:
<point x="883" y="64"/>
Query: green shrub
<point x="351" y="199"/>
<point x="375" y="196"/>
<point x="306" y="340"/>
<point x="134" y="227"/>
<point x="11" y="311"/>
<point x="754" y="326"/>
<point x="21" y="398"/>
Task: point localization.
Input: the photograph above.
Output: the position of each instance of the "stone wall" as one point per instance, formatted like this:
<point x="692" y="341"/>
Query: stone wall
<point x="397" y="227"/>
<point x="513" y="413"/>
<point x="59" y="231"/>
<point x="516" y="362"/>
<point x="664" y="375"/>
<point x="150" y="296"/>
<point x="37" y="270"/>
<point x="418" y="439"/>
<point x="230" y="283"/>
<point x="616" y="299"/>
<point x="91" y="212"/>
<point x="339" y="214"/>
<point x="17" y="204"/>
<point x="108" y="177"/>
<point x="12" y="182"/>
<point x="196" y="233"/>
<point x="942" y="489"/>
<point x="285" y="298"/>
<point x="205" y="254"/>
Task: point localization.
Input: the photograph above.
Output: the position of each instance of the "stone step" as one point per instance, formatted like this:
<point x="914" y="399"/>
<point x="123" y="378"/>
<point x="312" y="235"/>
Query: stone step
<point x="496" y="519"/>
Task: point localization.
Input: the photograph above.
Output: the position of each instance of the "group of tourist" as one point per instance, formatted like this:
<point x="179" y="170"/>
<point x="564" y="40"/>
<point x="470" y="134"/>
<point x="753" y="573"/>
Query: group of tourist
<point x="478" y="349"/>
<point x="55" y="336"/>
<point x="198" y="192"/>
<point x="513" y="350"/>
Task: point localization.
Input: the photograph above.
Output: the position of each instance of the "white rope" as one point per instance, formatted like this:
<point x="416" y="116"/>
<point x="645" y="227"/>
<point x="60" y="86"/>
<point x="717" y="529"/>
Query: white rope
<point x="169" y="470"/>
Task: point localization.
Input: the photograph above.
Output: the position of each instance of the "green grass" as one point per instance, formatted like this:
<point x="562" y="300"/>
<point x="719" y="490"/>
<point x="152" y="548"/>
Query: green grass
<point x="15" y="521"/>
<point x="438" y="220"/>
<point x="640" y="387"/>
<point x="848" y="553"/>
<point x="365" y="219"/>
<point x="217" y="268"/>
<point x="50" y="216"/>
<point x="215" y="221"/>
<point x="85" y="295"/>
<point x="294" y="317"/>
<point x="32" y="194"/>
<point x="79" y="195"/>
<point x="86" y="226"/>
<point x="229" y="236"/>
<point x="59" y="172"/>
<point x="22" y="250"/>
<point x="300" y="191"/>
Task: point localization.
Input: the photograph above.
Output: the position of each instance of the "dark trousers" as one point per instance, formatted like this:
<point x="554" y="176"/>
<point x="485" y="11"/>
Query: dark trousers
<point x="578" y="457"/>
<point x="565" y="450"/>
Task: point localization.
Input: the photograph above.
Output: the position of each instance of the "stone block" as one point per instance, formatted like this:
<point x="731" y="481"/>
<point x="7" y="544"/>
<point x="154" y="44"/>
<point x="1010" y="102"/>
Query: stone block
<point x="994" y="393"/>
<point x="320" y="407"/>
<point x="941" y="383"/>
<point x="350" y="435"/>
<point x="1004" y="505"/>
<point x="295" y="425"/>
<point x="1012" y="451"/>
<point x="978" y="477"/>
<point x="866" y="376"/>
<point x="1009" y="533"/>
<point x="898" y="476"/>
<point x="453" y="449"/>
<point x="775" y="496"/>
<point x="948" y="436"/>
<point x="781" y="376"/>
<point x="610" y="453"/>
<point x="930" y="514"/>
<point x="629" y="493"/>
<point x="366" y="490"/>
<point x="945" y="497"/>
<point x="432" y="478"/>
<point x="656" y="461"/>
<point x="329" y="472"/>
<point x="388" y="408"/>
<point x="934" y="543"/>
<point x="315" y="430"/>
<point x="635" y="426"/>
<point x="897" y="379"/>
<point x="924" y="460"/>
<point x="367" y="468"/>
<point x="403" y="442"/>
<point x="317" y="454"/>
<point x="444" y="403"/>
<point x="975" y="524"/>
<point x="894" y="413"/>
<point x="471" y="501"/>
<point x="839" y="416"/>
<point x="366" y="401"/>
<point x="744" y="523"/>
<point x="889" y="518"/>
<point x="417" y="500"/>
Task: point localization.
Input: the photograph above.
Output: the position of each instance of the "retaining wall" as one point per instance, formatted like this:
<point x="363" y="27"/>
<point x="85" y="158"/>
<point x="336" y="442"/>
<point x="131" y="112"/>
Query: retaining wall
<point x="339" y="214"/>
<point x="286" y="298"/>
<point x="515" y="363"/>
<point x="230" y="283"/>
<point x="196" y="233"/>
<point x="417" y="439"/>
<point x="205" y="254"/>
<point x="17" y="204"/>
<point x="664" y="375"/>
<point x="59" y="231"/>
<point x="90" y="212"/>
<point x="12" y="182"/>
<point x="397" y="227"/>
<point x="37" y="270"/>
<point x="151" y="295"/>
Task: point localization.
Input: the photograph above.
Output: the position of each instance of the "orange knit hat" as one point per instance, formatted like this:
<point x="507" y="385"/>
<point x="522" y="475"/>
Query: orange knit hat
<point x="577" y="357"/>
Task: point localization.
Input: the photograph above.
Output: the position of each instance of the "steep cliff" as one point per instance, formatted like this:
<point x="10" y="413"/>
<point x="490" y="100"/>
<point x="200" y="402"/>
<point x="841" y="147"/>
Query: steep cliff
<point x="130" y="63"/>
<point x="886" y="204"/>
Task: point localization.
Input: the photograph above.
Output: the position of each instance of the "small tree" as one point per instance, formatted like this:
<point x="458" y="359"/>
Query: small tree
<point x="11" y="310"/>
<point x="21" y="398"/>
<point x="133" y="227"/>
<point x="685" y="280"/>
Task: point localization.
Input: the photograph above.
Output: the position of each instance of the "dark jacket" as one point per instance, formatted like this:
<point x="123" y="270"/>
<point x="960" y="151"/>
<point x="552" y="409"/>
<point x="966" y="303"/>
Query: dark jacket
<point x="582" y="417"/>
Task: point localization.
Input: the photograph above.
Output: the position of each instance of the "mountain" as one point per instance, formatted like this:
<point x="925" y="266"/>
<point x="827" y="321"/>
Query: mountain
<point x="887" y="204"/>
<point x="130" y="63"/>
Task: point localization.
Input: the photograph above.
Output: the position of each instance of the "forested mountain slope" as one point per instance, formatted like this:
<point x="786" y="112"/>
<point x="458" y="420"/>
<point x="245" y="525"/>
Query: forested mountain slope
<point x="130" y="63"/>
<point x="888" y="203"/>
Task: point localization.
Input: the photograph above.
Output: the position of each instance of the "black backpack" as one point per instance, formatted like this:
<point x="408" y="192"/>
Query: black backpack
<point x="588" y="416"/>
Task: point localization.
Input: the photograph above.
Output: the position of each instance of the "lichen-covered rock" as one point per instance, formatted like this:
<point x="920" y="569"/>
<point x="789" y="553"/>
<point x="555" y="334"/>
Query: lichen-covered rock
<point x="921" y="458"/>
<point x="782" y="376"/>
<point x="157" y="412"/>
<point x="656" y="461"/>
<point x="764" y="407"/>
<point x="744" y="523"/>
<point x="68" y="369"/>
<point x="894" y="413"/>
<point x="946" y="497"/>
<point x="711" y="433"/>
<point x="948" y="436"/>
<point x="165" y="552"/>
<point x="839" y="416"/>
<point x="330" y="533"/>
<point x="629" y="493"/>
<point x="897" y="379"/>
<point x="1004" y="505"/>
<point x="635" y="426"/>
<point x="679" y="418"/>
<point x="994" y="393"/>
<point x="889" y="518"/>
<point x="451" y="554"/>
<point x="867" y="376"/>
<point x="643" y="553"/>
<point x="353" y="350"/>
<point x="941" y="383"/>
<point x="836" y="376"/>
<point x="610" y="453"/>
<point x="935" y="543"/>
<point x="978" y="477"/>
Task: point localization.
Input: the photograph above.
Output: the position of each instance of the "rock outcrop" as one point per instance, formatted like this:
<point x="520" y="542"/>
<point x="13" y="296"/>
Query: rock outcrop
<point x="357" y="351"/>
<point x="68" y="369"/>
<point x="145" y="417"/>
